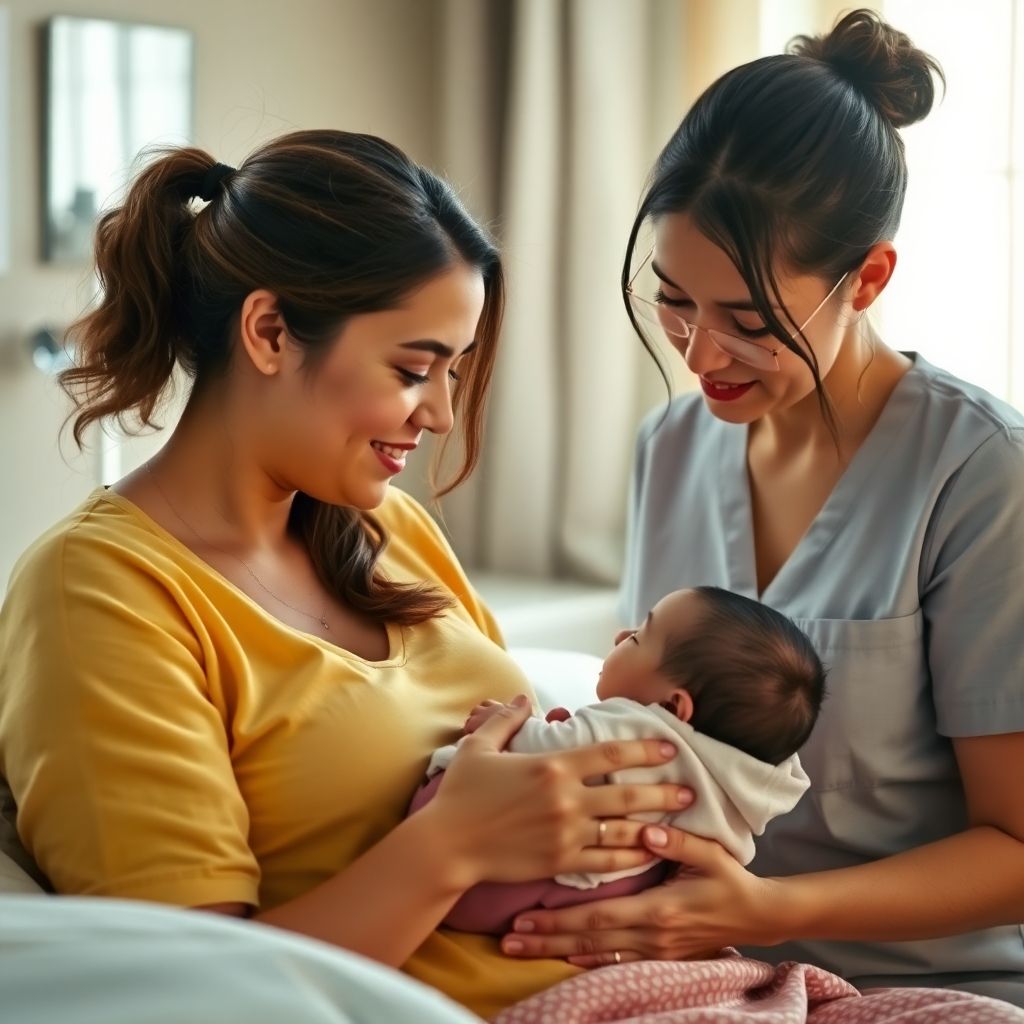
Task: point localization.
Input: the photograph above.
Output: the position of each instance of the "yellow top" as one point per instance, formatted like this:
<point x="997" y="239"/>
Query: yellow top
<point x="167" y="739"/>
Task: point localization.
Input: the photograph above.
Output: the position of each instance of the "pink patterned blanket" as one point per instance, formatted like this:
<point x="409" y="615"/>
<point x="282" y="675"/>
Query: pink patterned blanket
<point x="735" y="990"/>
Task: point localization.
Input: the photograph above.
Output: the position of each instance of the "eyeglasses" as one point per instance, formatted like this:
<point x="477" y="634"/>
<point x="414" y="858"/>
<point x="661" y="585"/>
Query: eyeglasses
<point x="761" y="356"/>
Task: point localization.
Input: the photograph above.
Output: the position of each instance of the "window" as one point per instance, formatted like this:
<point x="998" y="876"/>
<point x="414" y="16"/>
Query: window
<point x="958" y="293"/>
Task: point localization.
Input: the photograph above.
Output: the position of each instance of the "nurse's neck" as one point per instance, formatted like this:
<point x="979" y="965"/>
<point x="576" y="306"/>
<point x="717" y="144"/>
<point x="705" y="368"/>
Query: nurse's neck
<point x="858" y="385"/>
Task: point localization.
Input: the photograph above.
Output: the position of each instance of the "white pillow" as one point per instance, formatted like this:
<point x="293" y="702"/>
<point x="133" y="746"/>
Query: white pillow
<point x="14" y="880"/>
<point x="99" y="961"/>
<point x="565" y="679"/>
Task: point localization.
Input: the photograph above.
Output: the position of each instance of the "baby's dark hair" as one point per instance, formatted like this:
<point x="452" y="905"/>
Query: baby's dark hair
<point x="756" y="681"/>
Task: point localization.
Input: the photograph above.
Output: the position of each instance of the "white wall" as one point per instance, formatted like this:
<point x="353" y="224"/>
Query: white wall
<point x="261" y="69"/>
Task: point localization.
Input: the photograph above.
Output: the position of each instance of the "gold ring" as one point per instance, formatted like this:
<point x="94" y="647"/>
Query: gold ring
<point x="602" y="827"/>
<point x="617" y="957"/>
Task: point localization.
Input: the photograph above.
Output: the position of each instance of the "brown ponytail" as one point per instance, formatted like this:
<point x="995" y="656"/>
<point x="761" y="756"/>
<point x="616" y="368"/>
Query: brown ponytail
<point x="334" y="224"/>
<point x="127" y="347"/>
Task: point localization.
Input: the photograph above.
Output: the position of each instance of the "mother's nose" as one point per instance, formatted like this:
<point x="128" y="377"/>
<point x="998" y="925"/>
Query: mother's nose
<point x="435" y="413"/>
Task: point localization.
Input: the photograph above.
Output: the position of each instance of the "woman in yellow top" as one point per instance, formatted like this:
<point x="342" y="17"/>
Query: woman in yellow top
<point x="221" y="679"/>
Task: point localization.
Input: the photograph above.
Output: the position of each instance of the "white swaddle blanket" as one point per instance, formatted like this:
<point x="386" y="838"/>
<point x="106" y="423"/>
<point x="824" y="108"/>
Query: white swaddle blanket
<point x="737" y="795"/>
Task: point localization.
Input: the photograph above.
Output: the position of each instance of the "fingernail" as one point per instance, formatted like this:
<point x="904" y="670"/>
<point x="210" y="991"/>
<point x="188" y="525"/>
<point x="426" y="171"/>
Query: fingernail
<point x="656" y="836"/>
<point x="525" y="926"/>
<point x="521" y="700"/>
<point x="668" y="749"/>
<point x="685" y="797"/>
<point x="513" y="946"/>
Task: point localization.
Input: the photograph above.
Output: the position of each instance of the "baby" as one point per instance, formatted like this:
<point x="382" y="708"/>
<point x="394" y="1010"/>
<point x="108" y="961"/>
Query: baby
<point x="735" y="685"/>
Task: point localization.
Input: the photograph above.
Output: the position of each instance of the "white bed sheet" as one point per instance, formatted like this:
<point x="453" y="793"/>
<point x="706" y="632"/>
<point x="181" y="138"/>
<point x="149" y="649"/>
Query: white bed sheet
<point x="99" y="961"/>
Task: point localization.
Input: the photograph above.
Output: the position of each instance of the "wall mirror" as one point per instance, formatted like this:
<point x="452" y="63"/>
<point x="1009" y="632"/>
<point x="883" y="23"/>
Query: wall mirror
<point x="112" y="89"/>
<point x="5" y="143"/>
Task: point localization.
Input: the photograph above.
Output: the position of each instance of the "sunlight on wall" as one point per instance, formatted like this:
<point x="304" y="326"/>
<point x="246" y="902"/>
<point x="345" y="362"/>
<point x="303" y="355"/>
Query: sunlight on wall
<point x="956" y="295"/>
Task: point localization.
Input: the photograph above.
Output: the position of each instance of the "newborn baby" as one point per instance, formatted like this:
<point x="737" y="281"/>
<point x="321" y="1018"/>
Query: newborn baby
<point x="735" y="685"/>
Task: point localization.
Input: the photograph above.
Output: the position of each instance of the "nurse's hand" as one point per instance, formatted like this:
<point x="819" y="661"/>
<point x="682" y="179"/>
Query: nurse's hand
<point x="712" y="902"/>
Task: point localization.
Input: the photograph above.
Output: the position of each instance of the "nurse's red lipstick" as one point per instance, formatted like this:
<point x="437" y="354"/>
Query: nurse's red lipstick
<point x="725" y="392"/>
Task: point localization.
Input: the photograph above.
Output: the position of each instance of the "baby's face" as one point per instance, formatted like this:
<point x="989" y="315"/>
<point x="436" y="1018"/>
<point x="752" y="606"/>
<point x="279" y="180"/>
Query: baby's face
<point x="631" y="669"/>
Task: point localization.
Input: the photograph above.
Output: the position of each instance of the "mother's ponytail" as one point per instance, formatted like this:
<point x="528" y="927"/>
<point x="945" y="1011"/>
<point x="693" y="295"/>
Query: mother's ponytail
<point x="128" y="345"/>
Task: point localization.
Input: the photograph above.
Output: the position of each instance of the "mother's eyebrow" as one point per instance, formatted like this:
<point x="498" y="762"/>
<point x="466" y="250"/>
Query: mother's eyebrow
<point x="742" y="305"/>
<point x="437" y="348"/>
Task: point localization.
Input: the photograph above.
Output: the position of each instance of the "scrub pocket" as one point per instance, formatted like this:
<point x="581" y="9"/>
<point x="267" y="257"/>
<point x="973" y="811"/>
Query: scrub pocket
<point x="882" y="781"/>
<point x="877" y="723"/>
<point x="882" y="778"/>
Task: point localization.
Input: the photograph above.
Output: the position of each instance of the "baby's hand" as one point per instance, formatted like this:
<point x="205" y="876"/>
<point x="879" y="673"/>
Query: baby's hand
<point x="480" y="714"/>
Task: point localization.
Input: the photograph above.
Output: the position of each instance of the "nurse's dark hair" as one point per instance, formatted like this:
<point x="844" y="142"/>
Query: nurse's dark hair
<point x="756" y="681"/>
<point x="334" y="224"/>
<point x="795" y="160"/>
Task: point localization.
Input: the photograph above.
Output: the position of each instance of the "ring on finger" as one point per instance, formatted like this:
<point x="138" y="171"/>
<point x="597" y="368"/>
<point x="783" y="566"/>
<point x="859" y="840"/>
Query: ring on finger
<point x="617" y="957"/>
<point x="602" y="828"/>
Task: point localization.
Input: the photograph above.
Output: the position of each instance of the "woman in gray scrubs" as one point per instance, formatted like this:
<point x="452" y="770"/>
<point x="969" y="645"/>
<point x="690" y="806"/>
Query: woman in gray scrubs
<point x="873" y="497"/>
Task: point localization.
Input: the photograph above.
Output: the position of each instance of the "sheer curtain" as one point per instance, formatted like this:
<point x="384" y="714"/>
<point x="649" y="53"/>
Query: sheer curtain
<point x="552" y="112"/>
<point x="958" y="290"/>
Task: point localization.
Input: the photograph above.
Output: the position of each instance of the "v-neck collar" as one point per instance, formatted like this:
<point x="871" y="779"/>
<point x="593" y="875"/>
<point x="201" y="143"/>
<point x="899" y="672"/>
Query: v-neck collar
<point x="397" y="653"/>
<point x="736" y="503"/>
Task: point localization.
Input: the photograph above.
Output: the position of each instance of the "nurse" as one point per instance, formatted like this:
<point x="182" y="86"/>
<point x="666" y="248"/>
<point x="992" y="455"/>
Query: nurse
<point x="856" y="487"/>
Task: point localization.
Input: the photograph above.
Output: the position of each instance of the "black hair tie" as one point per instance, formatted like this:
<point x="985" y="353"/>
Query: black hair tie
<point x="212" y="181"/>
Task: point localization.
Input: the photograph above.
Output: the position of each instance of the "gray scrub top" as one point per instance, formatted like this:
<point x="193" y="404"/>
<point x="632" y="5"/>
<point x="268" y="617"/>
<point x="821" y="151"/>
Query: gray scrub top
<point x="910" y="582"/>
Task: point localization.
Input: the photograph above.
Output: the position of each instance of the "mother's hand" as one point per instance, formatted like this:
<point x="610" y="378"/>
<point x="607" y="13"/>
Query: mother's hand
<point x="711" y="903"/>
<point x="519" y="817"/>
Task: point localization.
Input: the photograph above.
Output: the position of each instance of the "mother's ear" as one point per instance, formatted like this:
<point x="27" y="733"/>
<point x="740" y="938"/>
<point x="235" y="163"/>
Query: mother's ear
<point x="263" y="331"/>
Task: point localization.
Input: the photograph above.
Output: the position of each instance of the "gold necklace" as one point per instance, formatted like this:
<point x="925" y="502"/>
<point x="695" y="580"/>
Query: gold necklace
<point x="322" y="618"/>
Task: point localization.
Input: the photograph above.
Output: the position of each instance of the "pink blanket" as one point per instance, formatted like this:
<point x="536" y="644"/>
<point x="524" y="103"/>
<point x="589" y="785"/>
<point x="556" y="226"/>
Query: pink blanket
<point x="735" y="990"/>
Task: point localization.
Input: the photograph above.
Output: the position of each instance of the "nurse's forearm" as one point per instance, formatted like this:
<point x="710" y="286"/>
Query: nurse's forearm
<point x="971" y="880"/>
<point x="386" y="903"/>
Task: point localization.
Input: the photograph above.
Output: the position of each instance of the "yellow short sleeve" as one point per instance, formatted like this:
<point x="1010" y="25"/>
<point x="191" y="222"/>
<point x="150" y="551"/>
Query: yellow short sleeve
<point x="111" y="742"/>
<point x="167" y="739"/>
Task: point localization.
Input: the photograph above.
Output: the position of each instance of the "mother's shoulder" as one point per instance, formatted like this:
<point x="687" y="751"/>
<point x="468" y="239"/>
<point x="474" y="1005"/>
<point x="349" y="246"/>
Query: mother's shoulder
<point x="104" y="544"/>
<point x="98" y="520"/>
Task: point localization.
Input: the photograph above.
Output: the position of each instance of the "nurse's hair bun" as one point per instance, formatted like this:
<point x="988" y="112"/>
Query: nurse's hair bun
<point x="879" y="61"/>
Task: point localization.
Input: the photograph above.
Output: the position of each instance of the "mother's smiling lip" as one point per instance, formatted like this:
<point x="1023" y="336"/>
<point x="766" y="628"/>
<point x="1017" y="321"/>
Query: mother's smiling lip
<point x="406" y="447"/>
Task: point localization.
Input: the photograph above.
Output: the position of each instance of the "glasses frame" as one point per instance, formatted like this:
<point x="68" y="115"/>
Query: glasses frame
<point x="662" y="311"/>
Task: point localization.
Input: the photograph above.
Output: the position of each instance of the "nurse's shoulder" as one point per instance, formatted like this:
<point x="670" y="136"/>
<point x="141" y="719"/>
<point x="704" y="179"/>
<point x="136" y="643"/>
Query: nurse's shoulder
<point x="959" y="411"/>
<point x="963" y="439"/>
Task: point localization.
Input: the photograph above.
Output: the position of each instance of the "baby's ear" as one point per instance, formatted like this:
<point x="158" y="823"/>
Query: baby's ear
<point x="680" y="703"/>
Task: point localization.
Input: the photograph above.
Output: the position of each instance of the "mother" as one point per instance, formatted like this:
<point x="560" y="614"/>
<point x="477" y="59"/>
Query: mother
<point x="221" y="679"/>
<point x="871" y="496"/>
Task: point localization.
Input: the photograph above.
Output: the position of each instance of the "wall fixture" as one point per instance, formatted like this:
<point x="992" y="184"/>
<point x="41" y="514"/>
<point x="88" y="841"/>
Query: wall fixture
<point x="113" y="89"/>
<point x="48" y="352"/>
